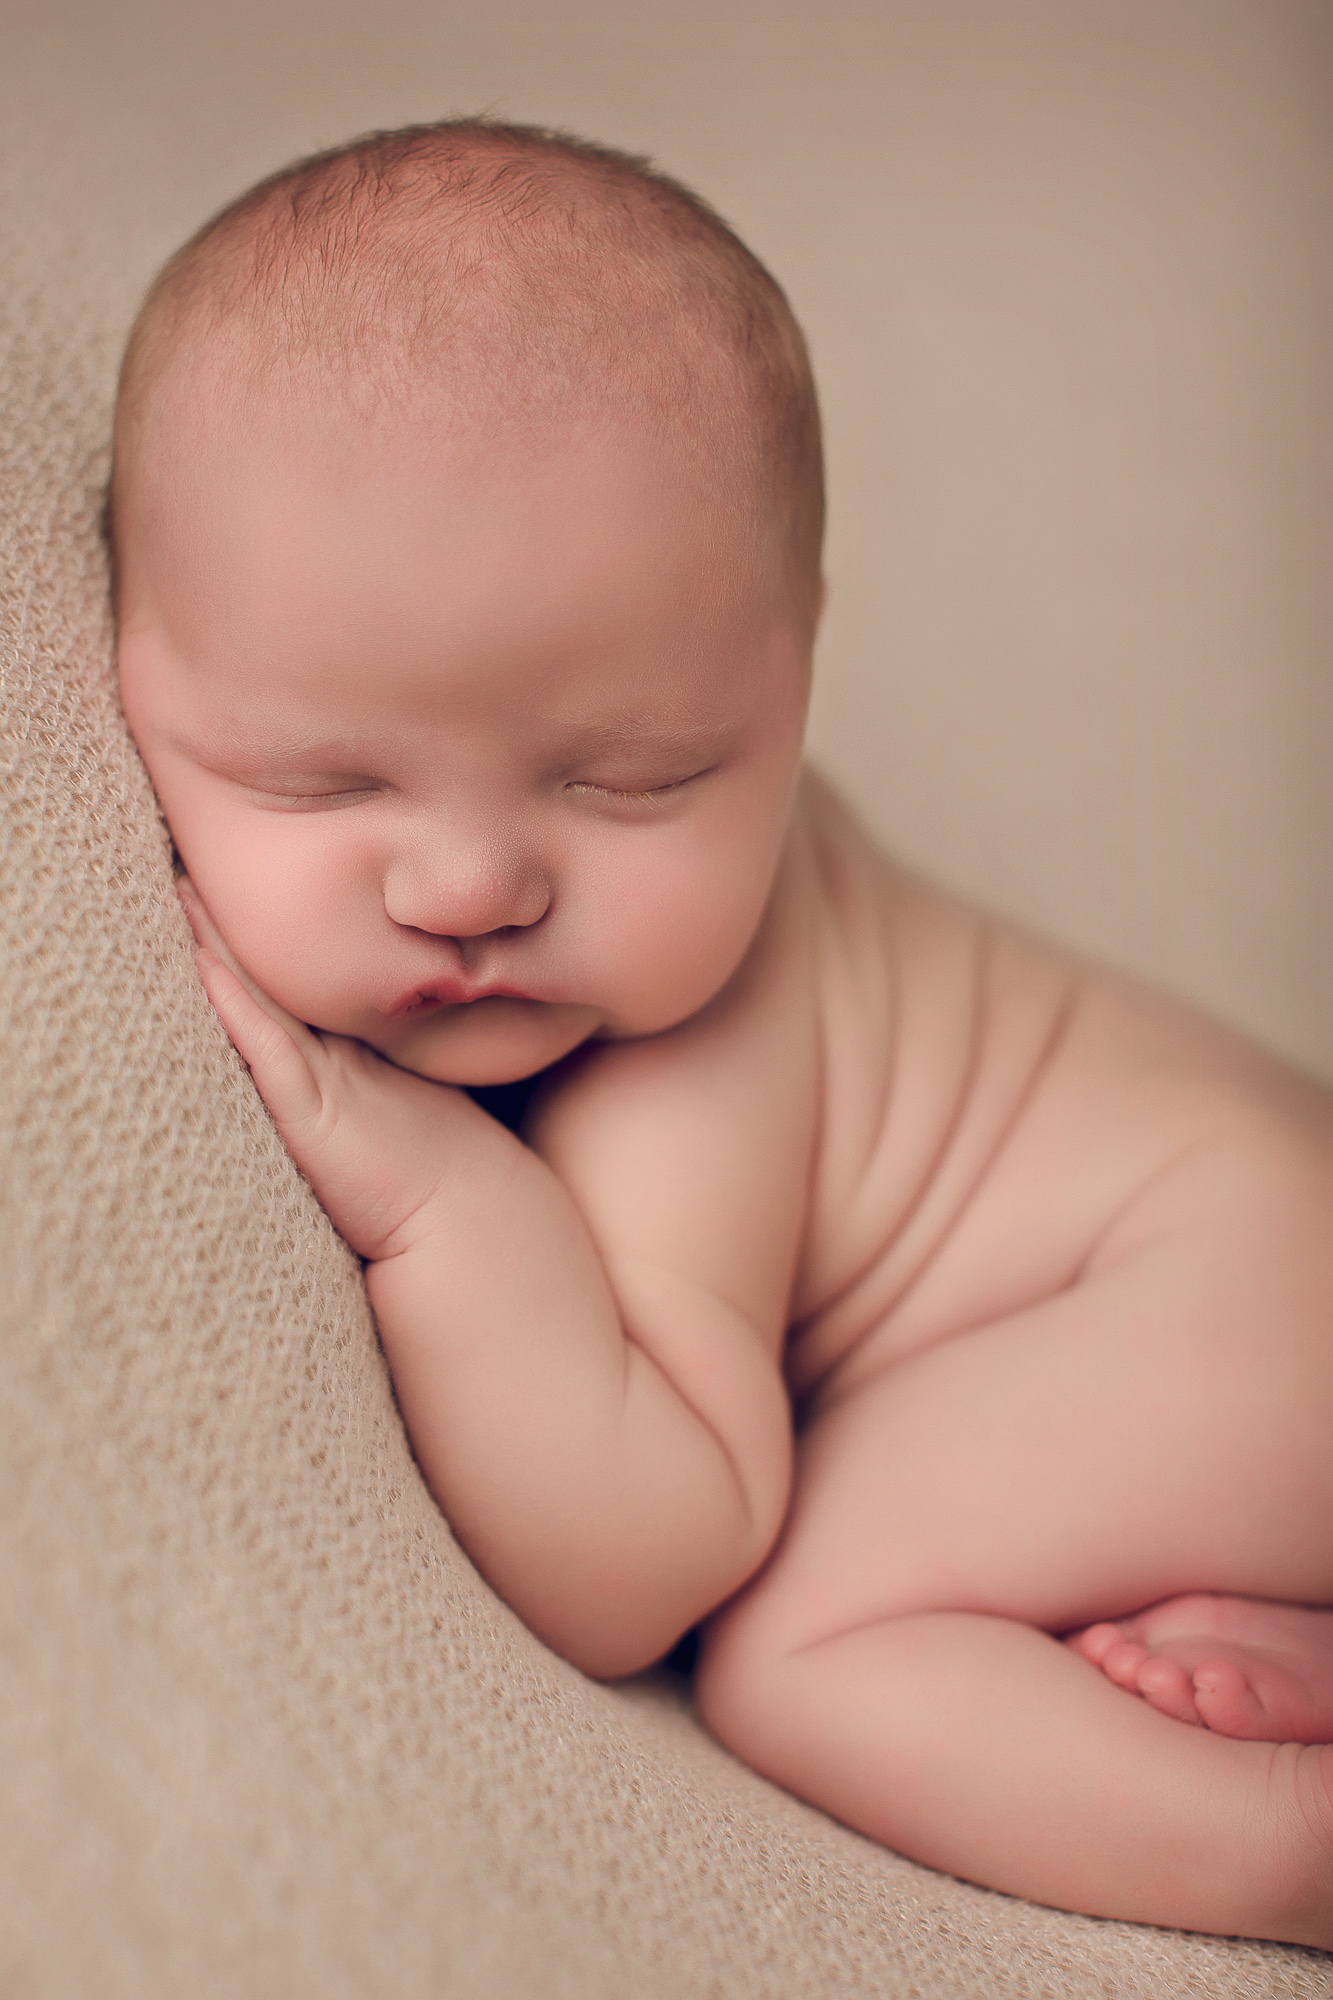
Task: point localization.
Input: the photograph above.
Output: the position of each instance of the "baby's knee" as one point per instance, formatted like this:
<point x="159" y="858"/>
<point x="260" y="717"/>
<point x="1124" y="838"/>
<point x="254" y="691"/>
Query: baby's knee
<point x="761" y="1679"/>
<point x="745" y="1652"/>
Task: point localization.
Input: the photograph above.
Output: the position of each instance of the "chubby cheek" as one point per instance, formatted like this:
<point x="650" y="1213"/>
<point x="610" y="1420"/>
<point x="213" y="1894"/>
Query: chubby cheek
<point x="288" y="907"/>
<point x="670" y="926"/>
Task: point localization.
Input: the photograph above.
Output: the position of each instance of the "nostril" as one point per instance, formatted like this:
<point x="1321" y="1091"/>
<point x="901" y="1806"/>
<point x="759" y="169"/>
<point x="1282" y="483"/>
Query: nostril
<point x="471" y="941"/>
<point x="464" y="896"/>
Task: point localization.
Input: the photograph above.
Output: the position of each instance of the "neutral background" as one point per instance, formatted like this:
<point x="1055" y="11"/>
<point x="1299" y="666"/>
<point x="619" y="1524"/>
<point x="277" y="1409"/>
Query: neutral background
<point x="1067" y="271"/>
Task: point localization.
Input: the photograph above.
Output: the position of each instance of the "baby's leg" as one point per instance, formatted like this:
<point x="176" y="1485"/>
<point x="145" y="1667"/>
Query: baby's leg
<point x="1239" y="1665"/>
<point x="894" y="1662"/>
<point x="985" y="1748"/>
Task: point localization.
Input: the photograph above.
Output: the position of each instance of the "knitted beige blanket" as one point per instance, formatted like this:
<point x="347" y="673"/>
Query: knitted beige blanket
<point x="265" y="1732"/>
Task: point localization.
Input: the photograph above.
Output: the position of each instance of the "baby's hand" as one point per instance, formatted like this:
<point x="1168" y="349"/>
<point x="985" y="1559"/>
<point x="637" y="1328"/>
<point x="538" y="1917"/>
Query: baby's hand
<point x="372" y="1140"/>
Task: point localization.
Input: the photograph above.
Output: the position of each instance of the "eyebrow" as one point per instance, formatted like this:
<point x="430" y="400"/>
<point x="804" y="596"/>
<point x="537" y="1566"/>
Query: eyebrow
<point x="240" y="746"/>
<point x="241" y="750"/>
<point x="690" y="738"/>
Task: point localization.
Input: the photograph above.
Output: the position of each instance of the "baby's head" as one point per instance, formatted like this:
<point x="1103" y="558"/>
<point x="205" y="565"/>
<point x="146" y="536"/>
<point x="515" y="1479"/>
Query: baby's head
<point x="466" y="513"/>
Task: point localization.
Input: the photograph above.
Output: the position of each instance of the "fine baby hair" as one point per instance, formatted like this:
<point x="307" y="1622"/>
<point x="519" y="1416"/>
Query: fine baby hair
<point x="530" y="272"/>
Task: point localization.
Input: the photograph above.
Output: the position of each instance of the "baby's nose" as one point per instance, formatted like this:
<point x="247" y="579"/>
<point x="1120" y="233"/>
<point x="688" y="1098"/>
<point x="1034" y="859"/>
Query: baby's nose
<point x="467" y="890"/>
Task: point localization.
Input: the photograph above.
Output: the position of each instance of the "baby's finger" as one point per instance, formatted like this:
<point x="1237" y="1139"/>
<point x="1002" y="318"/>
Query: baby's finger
<point x="206" y="932"/>
<point x="210" y="939"/>
<point x="282" y="1074"/>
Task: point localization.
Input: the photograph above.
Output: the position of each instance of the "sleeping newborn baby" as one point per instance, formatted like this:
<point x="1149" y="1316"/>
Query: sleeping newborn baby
<point x="944" y="1324"/>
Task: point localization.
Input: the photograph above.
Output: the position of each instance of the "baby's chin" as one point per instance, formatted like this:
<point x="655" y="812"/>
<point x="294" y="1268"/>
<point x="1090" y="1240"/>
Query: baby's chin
<point x="496" y="1040"/>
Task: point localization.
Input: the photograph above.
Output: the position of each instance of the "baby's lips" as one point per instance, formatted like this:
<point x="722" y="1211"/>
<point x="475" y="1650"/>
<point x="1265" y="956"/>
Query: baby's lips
<point x="453" y="992"/>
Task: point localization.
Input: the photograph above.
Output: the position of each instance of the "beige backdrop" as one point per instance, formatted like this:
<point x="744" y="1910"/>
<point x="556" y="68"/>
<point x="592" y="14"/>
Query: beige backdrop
<point x="265" y="1734"/>
<point x="1065" y="266"/>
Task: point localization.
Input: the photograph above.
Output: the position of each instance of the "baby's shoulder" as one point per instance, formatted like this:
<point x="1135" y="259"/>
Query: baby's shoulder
<point x="938" y="1015"/>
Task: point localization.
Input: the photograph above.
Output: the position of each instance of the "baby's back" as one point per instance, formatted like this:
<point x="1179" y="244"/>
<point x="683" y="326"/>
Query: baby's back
<point x="999" y="1117"/>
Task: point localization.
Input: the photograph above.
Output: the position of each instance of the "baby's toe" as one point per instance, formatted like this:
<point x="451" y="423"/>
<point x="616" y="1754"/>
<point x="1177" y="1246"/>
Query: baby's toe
<point x="1094" y="1642"/>
<point x="1123" y="1663"/>
<point x="1165" y="1684"/>
<point x="1228" y="1704"/>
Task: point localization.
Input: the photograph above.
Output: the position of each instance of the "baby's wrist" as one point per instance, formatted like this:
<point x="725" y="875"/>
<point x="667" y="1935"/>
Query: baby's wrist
<point x="473" y="1163"/>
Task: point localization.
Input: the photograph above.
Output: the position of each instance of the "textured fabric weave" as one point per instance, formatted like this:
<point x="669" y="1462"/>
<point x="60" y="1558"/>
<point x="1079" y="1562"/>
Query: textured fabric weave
<point x="265" y="1732"/>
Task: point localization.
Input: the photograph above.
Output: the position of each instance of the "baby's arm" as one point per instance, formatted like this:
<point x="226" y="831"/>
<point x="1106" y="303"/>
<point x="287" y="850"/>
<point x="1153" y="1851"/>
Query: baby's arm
<point x="607" y="1433"/>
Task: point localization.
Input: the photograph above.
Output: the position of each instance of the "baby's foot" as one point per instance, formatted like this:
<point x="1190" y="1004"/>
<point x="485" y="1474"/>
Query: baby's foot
<point x="1239" y="1665"/>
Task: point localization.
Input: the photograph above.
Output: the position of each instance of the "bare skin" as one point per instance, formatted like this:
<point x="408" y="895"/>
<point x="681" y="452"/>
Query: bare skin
<point x="1234" y="1664"/>
<point x="478" y="771"/>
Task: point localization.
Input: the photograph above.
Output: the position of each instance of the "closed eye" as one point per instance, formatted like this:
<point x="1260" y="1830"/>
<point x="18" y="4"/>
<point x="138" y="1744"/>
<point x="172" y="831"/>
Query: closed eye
<point x="317" y="798"/>
<point x="638" y="795"/>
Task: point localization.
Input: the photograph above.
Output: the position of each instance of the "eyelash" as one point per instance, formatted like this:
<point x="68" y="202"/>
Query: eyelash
<point x="295" y="801"/>
<point x="650" y="796"/>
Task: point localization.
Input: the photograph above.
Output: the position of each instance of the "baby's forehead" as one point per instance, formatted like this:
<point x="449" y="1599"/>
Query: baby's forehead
<point x="230" y="431"/>
<point x="234" y="412"/>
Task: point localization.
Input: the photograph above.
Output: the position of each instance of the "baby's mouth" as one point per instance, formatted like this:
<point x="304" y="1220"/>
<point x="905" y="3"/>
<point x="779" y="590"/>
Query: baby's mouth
<point x="454" y="992"/>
